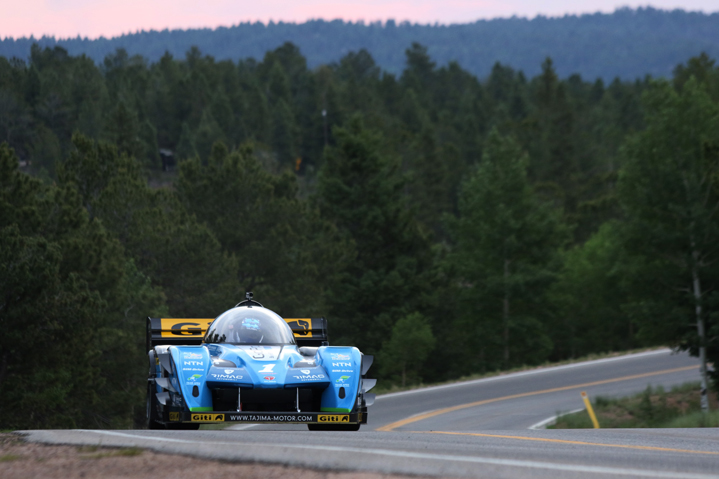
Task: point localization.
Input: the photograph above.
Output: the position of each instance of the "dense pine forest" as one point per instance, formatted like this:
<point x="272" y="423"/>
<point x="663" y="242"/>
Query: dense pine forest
<point x="628" y="43"/>
<point x="446" y="223"/>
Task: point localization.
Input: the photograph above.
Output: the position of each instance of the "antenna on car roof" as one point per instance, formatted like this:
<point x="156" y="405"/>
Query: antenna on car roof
<point x="249" y="302"/>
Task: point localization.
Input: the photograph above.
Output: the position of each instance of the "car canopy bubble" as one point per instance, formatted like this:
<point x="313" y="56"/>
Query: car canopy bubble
<point x="249" y="325"/>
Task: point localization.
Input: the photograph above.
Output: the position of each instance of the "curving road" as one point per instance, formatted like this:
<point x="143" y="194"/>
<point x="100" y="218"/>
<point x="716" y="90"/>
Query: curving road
<point x="471" y="429"/>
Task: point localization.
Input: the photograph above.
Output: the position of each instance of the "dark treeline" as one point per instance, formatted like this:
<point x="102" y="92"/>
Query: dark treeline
<point x="628" y="43"/>
<point x="447" y="224"/>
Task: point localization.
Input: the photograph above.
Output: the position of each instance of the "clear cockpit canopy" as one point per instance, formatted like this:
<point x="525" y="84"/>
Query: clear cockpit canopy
<point x="255" y="325"/>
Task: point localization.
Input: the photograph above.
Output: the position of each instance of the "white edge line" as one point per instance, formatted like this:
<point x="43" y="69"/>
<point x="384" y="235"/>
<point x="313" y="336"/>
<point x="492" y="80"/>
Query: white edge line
<point x="438" y="457"/>
<point x="549" y="420"/>
<point x="525" y="373"/>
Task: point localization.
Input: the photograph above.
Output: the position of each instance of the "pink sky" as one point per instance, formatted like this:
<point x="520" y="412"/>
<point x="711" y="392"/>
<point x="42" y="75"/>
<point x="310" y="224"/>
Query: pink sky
<point x="94" y="18"/>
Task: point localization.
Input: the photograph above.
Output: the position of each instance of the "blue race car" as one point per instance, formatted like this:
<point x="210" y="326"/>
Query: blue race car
<point x="249" y="365"/>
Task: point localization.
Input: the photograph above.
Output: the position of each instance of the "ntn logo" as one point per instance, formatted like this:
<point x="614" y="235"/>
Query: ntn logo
<point x="342" y="365"/>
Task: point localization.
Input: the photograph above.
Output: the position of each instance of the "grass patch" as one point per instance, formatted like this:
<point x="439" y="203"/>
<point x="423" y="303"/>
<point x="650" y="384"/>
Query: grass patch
<point x="87" y="449"/>
<point x="9" y="457"/>
<point x="129" y="451"/>
<point x="126" y="451"/>
<point x="393" y="388"/>
<point x="655" y="408"/>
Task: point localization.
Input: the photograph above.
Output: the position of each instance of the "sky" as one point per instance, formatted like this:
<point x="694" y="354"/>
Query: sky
<point x="108" y="18"/>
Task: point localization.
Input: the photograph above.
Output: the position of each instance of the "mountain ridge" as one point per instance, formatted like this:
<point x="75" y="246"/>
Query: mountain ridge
<point x="628" y="43"/>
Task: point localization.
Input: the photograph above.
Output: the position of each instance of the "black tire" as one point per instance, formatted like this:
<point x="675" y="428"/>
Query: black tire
<point x="152" y="409"/>
<point x="333" y="427"/>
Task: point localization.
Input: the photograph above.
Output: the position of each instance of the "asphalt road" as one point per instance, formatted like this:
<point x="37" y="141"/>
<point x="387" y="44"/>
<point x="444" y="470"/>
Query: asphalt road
<point x="473" y="429"/>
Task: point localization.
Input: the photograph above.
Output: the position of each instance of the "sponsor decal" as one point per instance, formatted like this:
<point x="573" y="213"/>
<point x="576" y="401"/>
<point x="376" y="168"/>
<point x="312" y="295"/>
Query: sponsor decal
<point x="310" y="377"/>
<point x="208" y="417"/>
<point x="272" y="418"/>
<point x="267" y="368"/>
<point x="192" y="355"/>
<point x="339" y="357"/>
<point x="194" y="363"/>
<point x="300" y="327"/>
<point x="172" y="327"/>
<point x="193" y="369"/>
<point x="305" y="371"/>
<point x="342" y="379"/>
<point x="269" y="378"/>
<point x="229" y="371"/>
<point x="342" y="371"/>
<point x="227" y="377"/>
<point x="194" y="377"/>
<point x="333" y="418"/>
<point x="174" y="416"/>
<point x="341" y="365"/>
<point x="186" y="329"/>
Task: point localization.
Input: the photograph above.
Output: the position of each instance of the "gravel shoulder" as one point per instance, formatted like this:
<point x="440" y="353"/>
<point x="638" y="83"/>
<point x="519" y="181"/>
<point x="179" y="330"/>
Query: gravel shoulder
<point x="22" y="460"/>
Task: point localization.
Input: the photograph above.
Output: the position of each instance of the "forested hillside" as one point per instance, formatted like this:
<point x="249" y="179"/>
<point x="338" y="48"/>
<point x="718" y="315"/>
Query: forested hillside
<point x="627" y="43"/>
<point x="445" y="223"/>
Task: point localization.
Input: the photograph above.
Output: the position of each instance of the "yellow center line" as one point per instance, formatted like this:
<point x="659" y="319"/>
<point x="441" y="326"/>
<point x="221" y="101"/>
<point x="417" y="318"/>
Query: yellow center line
<point x="427" y="415"/>
<point x="564" y="441"/>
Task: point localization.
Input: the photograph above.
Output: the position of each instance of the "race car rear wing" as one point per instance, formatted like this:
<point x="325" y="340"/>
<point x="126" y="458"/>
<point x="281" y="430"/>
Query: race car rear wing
<point x="309" y="331"/>
<point x="187" y="332"/>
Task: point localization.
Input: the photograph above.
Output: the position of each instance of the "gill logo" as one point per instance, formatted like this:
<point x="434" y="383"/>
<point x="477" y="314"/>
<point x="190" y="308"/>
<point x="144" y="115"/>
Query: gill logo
<point x="267" y="368"/>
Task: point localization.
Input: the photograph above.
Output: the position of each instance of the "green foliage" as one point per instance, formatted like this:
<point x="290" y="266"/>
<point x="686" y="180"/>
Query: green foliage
<point x="589" y="293"/>
<point x="409" y="346"/>
<point x="669" y="189"/>
<point x="495" y="214"/>
<point x="181" y="256"/>
<point x="360" y="190"/>
<point x="506" y="245"/>
<point x="654" y="407"/>
<point x="59" y="271"/>
<point x="284" y="251"/>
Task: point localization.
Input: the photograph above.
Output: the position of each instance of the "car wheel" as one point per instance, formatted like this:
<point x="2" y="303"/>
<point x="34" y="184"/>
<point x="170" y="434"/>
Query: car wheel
<point x="152" y="413"/>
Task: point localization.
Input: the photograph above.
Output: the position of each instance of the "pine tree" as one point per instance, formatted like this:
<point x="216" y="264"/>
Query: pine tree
<point x="506" y="240"/>
<point x="669" y="190"/>
<point x="360" y="190"/>
<point x="285" y="253"/>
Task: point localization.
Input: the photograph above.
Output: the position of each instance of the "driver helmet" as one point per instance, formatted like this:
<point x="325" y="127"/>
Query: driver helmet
<point x="250" y="331"/>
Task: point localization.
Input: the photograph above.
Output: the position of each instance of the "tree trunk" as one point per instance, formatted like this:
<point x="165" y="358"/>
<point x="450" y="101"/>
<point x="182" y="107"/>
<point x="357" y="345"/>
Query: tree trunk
<point x="3" y="366"/>
<point x="697" y="288"/>
<point x="404" y="373"/>
<point x="505" y="313"/>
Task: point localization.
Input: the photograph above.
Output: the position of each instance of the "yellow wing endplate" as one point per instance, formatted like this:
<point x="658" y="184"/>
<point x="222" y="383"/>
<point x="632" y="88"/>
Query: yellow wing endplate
<point x="302" y="328"/>
<point x="309" y="331"/>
